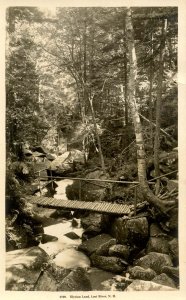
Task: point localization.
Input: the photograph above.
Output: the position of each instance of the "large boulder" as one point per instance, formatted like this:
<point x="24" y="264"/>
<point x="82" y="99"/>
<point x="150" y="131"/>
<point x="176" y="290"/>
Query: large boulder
<point x="118" y="250"/>
<point x="164" y="280"/>
<point x="141" y="285"/>
<point x="90" y="190"/>
<point x="77" y="280"/>
<point x="95" y="219"/>
<point x="138" y="272"/>
<point x="130" y="231"/>
<point x="111" y="264"/>
<point x="23" y="268"/>
<point x="155" y="261"/>
<point x="96" y="190"/>
<point x="94" y="243"/>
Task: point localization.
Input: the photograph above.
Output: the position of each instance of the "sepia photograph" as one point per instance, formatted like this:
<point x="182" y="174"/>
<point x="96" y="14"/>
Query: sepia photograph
<point x="92" y="175"/>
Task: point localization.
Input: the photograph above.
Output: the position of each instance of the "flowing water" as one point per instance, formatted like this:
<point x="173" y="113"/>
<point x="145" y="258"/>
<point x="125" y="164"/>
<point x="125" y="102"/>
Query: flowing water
<point x="64" y="250"/>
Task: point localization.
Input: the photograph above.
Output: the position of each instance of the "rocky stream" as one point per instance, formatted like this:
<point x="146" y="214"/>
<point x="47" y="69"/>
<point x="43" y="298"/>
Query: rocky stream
<point x="92" y="251"/>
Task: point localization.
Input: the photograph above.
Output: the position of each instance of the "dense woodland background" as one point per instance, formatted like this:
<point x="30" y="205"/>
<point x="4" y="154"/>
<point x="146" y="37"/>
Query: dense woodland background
<point x="56" y="64"/>
<point x="101" y="79"/>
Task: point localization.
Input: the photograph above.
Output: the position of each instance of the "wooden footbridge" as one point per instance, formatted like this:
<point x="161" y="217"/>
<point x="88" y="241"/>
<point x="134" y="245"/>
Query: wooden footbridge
<point x="101" y="207"/>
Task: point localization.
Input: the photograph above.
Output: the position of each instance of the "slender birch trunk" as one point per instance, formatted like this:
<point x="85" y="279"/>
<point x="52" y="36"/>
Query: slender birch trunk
<point x="150" y="93"/>
<point x="97" y="136"/>
<point x="148" y="194"/>
<point x="158" y="107"/>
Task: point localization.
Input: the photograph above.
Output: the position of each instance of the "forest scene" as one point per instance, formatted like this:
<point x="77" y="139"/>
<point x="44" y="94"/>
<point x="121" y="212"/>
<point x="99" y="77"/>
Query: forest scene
<point x="92" y="149"/>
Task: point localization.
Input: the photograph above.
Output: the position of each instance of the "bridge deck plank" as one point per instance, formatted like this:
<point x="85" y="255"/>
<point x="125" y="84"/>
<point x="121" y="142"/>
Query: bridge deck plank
<point x="102" y="207"/>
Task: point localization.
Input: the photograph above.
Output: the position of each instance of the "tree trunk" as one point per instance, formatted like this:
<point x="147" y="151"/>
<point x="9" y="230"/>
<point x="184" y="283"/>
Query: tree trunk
<point x="97" y="136"/>
<point x="125" y="79"/>
<point x="150" y="94"/>
<point x="148" y="194"/>
<point x="158" y="107"/>
<point x="84" y="75"/>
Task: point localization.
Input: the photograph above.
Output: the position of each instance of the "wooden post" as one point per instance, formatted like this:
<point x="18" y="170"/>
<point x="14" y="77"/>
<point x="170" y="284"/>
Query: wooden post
<point x="79" y="189"/>
<point x="52" y="179"/>
<point x="135" y="199"/>
<point x="40" y="183"/>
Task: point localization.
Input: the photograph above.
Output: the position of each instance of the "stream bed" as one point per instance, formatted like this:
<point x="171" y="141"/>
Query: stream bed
<point x="64" y="250"/>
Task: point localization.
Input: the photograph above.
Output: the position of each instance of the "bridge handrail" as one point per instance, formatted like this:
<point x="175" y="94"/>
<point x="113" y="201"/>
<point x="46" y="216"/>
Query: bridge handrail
<point x="104" y="180"/>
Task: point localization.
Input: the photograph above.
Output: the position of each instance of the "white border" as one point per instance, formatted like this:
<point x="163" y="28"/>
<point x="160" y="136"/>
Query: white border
<point x="181" y="294"/>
